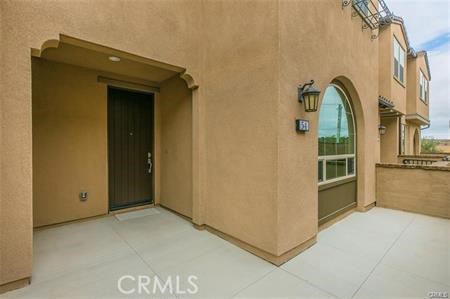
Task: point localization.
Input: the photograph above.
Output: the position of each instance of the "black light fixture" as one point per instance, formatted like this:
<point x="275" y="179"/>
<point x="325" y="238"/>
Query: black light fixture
<point x="382" y="129"/>
<point x="309" y="96"/>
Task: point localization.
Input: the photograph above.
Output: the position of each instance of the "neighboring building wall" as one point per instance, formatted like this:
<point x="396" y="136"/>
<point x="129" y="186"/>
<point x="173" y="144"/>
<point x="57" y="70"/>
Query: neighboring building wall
<point x="175" y="108"/>
<point x="385" y="73"/>
<point x="398" y="89"/>
<point x="414" y="104"/>
<point x="390" y="87"/>
<point x="413" y="87"/>
<point x="69" y="143"/>
<point x="422" y="108"/>
<point x="429" y="194"/>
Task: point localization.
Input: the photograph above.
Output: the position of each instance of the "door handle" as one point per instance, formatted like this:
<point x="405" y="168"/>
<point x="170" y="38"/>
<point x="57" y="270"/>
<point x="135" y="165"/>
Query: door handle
<point x="149" y="161"/>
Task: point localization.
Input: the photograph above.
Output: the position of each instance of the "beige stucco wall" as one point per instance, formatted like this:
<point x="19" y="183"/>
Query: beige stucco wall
<point x="259" y="177"/>
<point x="175" y="108"/>
<point x="240" y="87"/>
<point x="69" y="143"/>
<point x="398" y="90"/>
<point x="389" y="86"/>
<point x="239" y="79"/>
<point x="412" y="88"/>
<point x="385" y="70"/>
<point x="171" y="34"/>
<point x="389" y="146"/>
<point x="304" y="56"/>
<point x="431" y="195"/>
<point x="414" y="104"/>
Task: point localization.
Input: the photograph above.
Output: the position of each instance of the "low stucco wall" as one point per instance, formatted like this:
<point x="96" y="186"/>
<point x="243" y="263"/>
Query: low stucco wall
<point x="419" y="189"/>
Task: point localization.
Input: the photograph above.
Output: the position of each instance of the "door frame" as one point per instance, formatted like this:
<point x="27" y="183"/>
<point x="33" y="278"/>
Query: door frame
<point x="151" y="91"/>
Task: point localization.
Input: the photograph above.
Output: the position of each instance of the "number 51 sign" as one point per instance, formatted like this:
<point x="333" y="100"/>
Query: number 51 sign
<point x="302" y="125"/>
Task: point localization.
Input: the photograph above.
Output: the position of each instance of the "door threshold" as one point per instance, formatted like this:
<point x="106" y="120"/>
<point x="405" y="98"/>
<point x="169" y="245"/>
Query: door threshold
<point x="126" y="210"/>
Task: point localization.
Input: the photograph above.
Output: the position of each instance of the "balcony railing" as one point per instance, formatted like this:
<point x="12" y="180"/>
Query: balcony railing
<point x="374" y="13"/>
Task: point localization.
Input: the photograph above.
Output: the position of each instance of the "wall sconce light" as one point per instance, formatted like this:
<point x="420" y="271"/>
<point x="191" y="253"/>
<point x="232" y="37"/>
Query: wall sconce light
<point x="309" y="96"/>
<point x="382" y="129"/>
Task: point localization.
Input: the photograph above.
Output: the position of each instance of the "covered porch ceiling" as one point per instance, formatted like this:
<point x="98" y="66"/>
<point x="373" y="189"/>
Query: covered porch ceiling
<point x="107" y="60"/>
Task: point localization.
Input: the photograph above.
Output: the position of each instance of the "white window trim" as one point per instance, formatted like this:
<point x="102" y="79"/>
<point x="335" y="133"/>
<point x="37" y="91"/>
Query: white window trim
<point x="423" y="81"/>
<point x="336" y="157"/>
<point x="400" y="62"/>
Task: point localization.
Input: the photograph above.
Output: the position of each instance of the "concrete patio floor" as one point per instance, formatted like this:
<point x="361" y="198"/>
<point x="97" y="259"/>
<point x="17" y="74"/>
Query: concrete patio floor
<point x="381" y="253"/>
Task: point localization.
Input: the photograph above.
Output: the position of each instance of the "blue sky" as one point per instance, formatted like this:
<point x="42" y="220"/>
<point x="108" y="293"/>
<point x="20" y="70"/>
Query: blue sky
<point x="428" y="26"/>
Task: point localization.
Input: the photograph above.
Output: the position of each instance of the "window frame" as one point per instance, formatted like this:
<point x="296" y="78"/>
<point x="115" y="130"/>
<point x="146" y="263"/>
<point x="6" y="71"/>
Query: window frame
<point x="325" y="158"/>
<point x="398" y="77"/>
<point x="423" y="86"/>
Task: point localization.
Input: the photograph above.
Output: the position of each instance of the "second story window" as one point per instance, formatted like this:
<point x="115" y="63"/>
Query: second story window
<point x="423" y="87"/>
<point x="399" y="61"/>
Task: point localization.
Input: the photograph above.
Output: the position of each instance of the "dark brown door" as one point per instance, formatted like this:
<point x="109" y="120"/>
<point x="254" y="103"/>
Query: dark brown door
<point x="130" y="148"/>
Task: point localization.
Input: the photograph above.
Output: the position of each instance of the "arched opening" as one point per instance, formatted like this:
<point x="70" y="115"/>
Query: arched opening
<point x="336" y="154"/>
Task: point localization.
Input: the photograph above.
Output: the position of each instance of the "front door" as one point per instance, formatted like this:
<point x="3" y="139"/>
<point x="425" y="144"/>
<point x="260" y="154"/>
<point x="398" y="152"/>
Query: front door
<point x="130" y="148"/>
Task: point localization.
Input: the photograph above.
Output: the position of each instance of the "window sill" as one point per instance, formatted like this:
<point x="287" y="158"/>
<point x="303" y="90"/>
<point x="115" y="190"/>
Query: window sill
<point x="399" y="82"/>
<point x="336" y="182"/>
<point x="424" y="102"/>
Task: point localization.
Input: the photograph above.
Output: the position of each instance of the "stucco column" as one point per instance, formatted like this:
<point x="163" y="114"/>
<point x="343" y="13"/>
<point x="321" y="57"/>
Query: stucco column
<point x="16" y="167"/>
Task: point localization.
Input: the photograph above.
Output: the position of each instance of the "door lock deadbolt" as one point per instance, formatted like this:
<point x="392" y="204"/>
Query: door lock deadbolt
<point x="149" y="162"/>
<point x="83" y="196"/>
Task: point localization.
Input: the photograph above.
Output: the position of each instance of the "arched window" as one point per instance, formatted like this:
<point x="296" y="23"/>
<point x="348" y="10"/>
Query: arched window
<point x="337" y="137"/>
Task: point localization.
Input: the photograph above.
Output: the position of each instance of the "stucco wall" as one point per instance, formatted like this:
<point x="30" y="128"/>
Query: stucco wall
<point x="259" y="176"/>
<point x="390" y="140"/>
<point x="238" y="78"/>
<point x="69" y="143"/>
<point x="398" y="90"/>
<point x="412" y="89"/>
<point x="351" y="57"/>
<point x="414" y="104"/>
<point x="385" y="71"/>
<point x="430" y="195"/>
<point x="171" y="34"/>
<point x="175" y="107"/>
<point x="240" y="87"/>
<point x="422" y="108"/>
<point x="389" y="86"/>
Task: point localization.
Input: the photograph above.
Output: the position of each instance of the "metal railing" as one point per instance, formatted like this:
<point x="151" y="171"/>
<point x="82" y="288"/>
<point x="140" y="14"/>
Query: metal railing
<point x="418" y="162"/>
<point x="374" y="13"/>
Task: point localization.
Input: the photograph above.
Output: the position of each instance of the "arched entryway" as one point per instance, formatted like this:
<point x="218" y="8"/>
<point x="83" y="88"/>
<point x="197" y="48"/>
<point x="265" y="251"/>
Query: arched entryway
<point x="112" y="130"/>
<point x="337" y="154"/>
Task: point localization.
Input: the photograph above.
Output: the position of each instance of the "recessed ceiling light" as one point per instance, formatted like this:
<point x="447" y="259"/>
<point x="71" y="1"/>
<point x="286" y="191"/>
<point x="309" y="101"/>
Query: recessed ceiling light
<point x="114" y="58"/>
